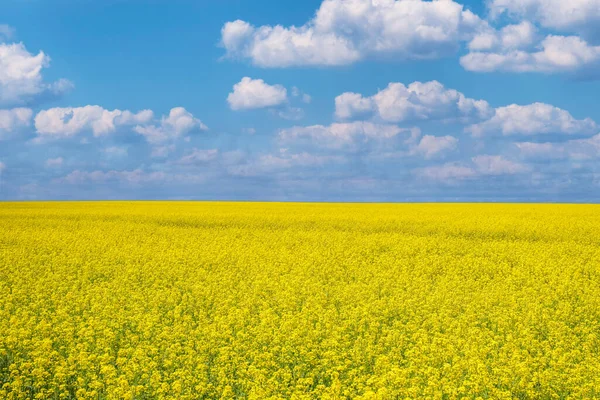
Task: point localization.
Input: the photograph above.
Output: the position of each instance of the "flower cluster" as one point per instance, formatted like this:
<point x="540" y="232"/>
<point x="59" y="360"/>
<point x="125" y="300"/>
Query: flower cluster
<point x="301" y="301"/>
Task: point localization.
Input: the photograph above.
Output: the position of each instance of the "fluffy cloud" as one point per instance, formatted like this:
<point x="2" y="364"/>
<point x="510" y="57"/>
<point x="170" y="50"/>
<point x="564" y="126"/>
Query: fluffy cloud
<point x="430" y="146"/>
<point x="255" y="93"/>
<point x="532" y="119"/>
<point x="13" y="120"/>
<point x="54" y="162"/>
<point x="510" y="37"/>
<point x="555" y="54"/>
<point x="417" y="101"/>
<point x="580" y="16"/>
<point x="21" y="78"/>
<point x="70" y="121"/>
<point x="343" y="32"/>
<point x="340" y="134"/>
<point x="179" y="123"/>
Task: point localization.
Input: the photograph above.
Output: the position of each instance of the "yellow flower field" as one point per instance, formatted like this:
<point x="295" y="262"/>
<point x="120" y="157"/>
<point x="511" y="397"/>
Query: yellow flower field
<point x="191" y="300"/>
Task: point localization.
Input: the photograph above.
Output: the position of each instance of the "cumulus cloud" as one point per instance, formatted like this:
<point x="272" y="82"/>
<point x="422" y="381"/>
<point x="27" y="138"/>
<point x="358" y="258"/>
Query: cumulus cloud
<point x="579" y="16"/>
<point x="178" y="123"/>
<point x="340" y="135"/>
<point x="532" y="119"/>
<point x="54" y="162"/>
<point x="343" y="32"/>
<point x="21" y="78"/>
<point x="510" y="37"/>
<point x="13" y="120"/>
<point x="255" y="93"/>
<point x="554" y="54"/>
<point x="431" y="146"/>
<point x="64" y="122"/>
<point x="417" y="101"/>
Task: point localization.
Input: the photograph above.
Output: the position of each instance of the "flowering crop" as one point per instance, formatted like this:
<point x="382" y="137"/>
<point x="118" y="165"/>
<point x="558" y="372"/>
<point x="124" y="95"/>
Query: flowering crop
<point x="186" y="300"/>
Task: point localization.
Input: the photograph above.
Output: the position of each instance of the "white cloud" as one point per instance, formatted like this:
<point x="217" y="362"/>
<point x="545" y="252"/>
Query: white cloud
<point x="255" y="93"/>
<point x="555" y="54"/>
<point x="580" y="16"/>
<point x="351" y="105"/>
<point x="345" y="31"/>
<point x="198" y="156"/>
<point x="497" y="165"/>
<point x="340" y="134"/>
<point x="179" y="123"/>
<point x="417" y="101"/>
<point x="13" y="120"/>
<point x="510" y="37"/>
<point x="70" y="121"/>
<point x="21" y="78"/>
<point x="54" y="162"/>
<point x="2" y="167"/>
<point x="431" y="146"/>
<point x="249" y="131"/>
<point x="532" y="119"/>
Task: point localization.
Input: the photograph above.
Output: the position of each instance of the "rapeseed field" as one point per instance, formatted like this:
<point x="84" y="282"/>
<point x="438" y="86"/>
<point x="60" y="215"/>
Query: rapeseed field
<point x="195" y="300"/>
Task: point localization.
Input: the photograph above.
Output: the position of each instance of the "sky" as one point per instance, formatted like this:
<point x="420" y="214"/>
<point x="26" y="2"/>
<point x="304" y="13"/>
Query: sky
<point x="333" y="100"/>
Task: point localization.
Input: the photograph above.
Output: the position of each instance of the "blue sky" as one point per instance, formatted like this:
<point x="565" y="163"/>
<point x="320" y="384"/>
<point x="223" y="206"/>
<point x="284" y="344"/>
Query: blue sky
<point x="335" y="100"/>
